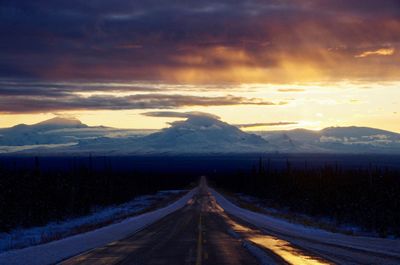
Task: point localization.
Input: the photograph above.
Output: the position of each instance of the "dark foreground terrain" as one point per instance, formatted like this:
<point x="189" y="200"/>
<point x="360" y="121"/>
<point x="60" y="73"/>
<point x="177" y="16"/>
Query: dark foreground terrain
<point x="360" y="190"/>
<point x="177" y="239"/>
<point x="197" y="234"/>
<point x="206" y="228"/>
<point x="203" y="233"/>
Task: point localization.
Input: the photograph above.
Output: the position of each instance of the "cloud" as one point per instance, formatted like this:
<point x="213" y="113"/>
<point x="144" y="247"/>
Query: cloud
<point x="197" y="41"/>
<point x="53" y="88"/>
<point x="382" y="52"/>
<point x="39" y="104"/>
<point x="175" y="114"/>
<point x="13" y="87"/>
<point x="251" y="125"/>
<point x="291" y="90"/>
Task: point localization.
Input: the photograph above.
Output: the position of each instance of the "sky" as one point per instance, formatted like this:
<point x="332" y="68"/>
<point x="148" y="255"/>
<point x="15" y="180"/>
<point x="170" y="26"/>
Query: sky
<point x="267" y="65"/>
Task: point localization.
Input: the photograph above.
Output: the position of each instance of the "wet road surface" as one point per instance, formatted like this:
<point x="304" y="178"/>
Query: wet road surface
<point x="196" y="234"/>
<point x="202" y="233"/>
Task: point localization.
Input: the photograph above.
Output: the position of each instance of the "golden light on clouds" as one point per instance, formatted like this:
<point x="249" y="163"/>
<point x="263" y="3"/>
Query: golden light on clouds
<point x="237" y="59"/>
<point x="314" y="105"/>
<point x="305" y="63"/>
<point x="382" y="52"/>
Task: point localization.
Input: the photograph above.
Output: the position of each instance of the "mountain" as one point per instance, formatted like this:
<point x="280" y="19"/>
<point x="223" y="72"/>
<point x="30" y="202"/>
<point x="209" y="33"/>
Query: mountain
<point x="197" y="134"/>
<point x="339" y="140"/>
<point x="202" y="134"/>
<point x="59" y="123"/>
<point x="57" y="131"/>
<point x="36" y="134"/>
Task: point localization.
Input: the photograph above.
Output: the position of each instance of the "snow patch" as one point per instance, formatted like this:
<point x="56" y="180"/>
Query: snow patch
<point x="301" y="233"/>
<point x="56" y="251"/>
<point x="100" y="216"/>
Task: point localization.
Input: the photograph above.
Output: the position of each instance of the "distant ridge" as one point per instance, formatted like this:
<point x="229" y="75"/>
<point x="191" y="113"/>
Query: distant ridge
<point x="205" y="134"/>
<point x="198" y="133"/>
<point x="62" y="123"/>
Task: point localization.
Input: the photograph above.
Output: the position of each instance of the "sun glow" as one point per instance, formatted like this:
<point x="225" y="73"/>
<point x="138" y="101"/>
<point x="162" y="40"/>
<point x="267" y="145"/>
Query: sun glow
<point x="310" y="105"/>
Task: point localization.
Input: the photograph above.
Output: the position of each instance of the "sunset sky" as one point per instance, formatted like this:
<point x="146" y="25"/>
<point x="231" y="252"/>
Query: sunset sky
<point x="279" y="63"/>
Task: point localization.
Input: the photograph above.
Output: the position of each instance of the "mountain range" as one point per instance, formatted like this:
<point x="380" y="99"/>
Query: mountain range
<point x="198" y="134"/>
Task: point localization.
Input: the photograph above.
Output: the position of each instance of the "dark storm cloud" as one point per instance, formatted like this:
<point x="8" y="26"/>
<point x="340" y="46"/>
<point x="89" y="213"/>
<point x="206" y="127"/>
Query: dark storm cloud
<point x="30" y="104"/>
<point x="32" y="87"/>
<point x="51" y="89"/>
<point x="189" y="40"/>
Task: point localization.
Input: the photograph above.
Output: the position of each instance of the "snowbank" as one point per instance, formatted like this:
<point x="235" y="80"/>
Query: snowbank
<point x="296" y="231"/>
<point x="56" y="251"/>
<point x="99" y="217"/>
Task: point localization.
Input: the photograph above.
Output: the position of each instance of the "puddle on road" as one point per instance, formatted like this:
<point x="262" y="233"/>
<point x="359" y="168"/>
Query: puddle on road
<point x="280" y="247"/>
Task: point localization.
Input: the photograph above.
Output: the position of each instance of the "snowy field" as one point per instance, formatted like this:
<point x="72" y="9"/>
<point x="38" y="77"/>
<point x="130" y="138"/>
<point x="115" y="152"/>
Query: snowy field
<point x="20" y="238"/>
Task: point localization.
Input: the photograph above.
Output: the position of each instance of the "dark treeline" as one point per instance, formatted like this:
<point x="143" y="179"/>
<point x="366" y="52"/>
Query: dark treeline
<point x="34" y="191"/>
<point x="31" y="196"/>
<point x="368" y="197"/>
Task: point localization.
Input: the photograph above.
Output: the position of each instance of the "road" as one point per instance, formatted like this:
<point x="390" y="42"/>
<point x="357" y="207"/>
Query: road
<point x="202" y="233"/>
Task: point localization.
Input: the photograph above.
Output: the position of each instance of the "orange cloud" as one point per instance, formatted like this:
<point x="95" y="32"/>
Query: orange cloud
<point x="246" y="41"/>
<point x="383" y="52"/>
<point x="291" y="90"/>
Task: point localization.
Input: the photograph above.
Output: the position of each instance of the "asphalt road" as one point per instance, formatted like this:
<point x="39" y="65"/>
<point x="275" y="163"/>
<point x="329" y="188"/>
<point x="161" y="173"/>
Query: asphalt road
<point x="202" y="233"/>
<point x="196" y="234"/>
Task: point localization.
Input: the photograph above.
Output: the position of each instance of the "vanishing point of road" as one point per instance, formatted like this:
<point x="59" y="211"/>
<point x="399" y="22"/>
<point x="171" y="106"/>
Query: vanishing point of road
<point x="200" y="233"/>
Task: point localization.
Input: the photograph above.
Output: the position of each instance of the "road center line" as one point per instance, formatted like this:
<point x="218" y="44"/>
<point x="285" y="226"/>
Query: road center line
<point x="199" y="242"/>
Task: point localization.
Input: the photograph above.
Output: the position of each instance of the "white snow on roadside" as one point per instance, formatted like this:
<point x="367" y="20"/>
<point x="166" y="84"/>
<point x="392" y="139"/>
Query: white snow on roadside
<point x="296" y="231"/>
<point x="56" y="251"/>
<point x="294" y="217"/>
<point x="20" y="238"/>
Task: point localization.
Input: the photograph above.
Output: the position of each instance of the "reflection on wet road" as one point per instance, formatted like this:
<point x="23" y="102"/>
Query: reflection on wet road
<point x="200" y="233"/>
<point x="280" y="247"/>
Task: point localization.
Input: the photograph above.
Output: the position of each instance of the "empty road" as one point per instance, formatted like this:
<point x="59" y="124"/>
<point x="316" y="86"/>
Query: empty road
<point x="202" y="233"/>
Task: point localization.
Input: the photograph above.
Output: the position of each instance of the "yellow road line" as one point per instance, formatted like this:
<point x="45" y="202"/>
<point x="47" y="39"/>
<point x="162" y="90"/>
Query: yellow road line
<point x="199" y="243"/>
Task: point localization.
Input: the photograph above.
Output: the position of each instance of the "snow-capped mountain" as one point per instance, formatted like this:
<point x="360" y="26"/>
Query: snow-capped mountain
<point x="59" y="122"/>
<point x="339" y="139"/>
<point x="35" y="134"/>
<point x="57" y="131"/>
<point x="198" y="134"/>
<point x="202" y="134"/>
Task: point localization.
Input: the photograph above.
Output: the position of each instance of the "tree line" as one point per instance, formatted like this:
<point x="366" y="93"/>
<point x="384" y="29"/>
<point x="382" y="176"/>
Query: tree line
<point x="30" y="196"/>
<point x="368" y="196"/>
